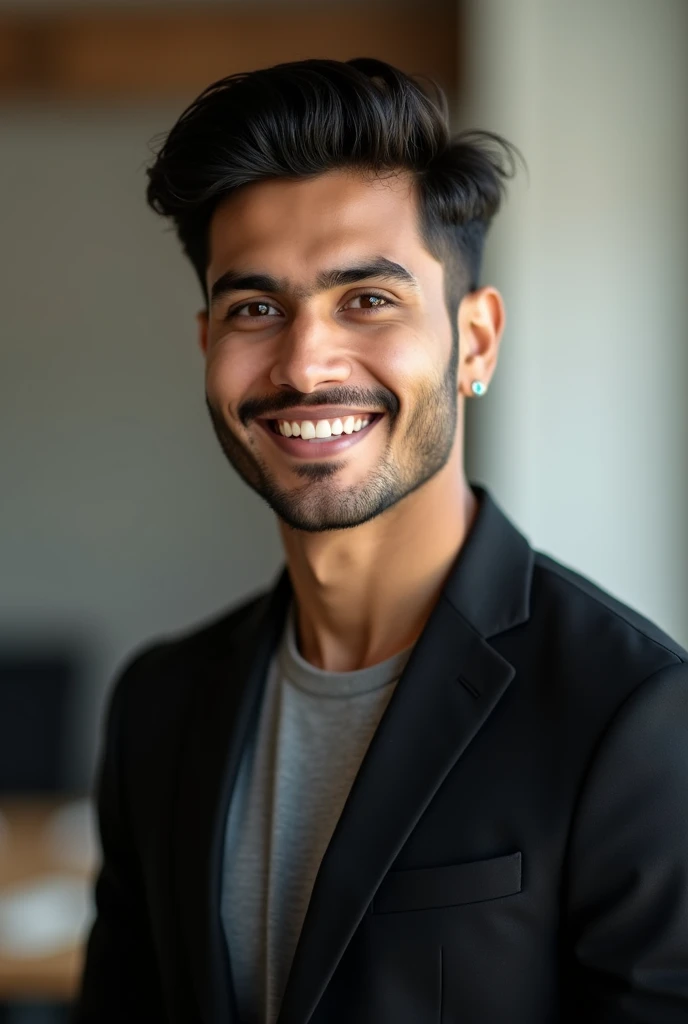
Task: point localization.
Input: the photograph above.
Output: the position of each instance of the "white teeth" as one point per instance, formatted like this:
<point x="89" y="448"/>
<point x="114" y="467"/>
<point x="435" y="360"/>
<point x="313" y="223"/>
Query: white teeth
<point x="321" y="429"/>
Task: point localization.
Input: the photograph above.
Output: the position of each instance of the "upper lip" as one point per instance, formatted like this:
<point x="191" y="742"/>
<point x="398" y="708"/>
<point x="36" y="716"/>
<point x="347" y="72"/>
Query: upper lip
<point x="322" y="412"/>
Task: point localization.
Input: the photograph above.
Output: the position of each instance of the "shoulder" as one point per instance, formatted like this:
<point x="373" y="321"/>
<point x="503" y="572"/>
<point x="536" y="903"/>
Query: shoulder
<point x="581" y="613"/>
<point x="582" y="653"/>
<point x="162" y="671"/>
<point x="153" y="698"/>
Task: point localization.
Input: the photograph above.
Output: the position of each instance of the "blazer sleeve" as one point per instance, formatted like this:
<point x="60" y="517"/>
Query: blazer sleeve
<point x="120" y="981"/>
<point x="627" y="914"/>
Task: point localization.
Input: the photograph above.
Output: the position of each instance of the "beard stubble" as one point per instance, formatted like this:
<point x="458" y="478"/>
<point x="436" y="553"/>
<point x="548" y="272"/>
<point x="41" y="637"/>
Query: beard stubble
<point x="408" y="461"/>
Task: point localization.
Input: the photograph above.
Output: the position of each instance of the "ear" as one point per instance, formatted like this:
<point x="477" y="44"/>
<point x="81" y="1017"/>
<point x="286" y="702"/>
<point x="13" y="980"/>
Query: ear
<point x="481" y="320"/>
<point x="202" y="322"/>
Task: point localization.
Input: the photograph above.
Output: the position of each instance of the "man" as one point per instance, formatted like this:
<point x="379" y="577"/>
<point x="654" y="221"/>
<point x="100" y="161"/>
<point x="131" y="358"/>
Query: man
<point x="433" y="775"/>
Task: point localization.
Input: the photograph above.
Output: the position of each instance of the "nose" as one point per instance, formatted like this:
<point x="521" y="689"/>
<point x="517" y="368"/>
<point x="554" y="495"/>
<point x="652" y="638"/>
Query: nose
<point x="309" y="354"/>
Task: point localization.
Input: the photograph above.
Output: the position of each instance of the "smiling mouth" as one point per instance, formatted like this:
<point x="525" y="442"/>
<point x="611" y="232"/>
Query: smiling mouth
<point x="319" y="438"/>
<point x="323" y="430"/>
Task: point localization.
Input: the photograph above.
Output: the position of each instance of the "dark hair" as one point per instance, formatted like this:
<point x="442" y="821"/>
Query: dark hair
<point x="308" y="117"/>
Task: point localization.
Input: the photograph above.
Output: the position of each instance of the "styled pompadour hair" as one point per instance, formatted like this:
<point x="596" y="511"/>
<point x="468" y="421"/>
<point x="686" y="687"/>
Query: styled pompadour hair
<point x="308" y="117"/>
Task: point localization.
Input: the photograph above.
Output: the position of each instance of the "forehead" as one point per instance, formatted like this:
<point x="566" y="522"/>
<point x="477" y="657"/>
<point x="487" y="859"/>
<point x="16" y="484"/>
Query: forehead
<point x="296" y="227"/>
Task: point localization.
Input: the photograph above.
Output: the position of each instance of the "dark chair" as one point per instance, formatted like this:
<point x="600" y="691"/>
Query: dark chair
<point x="36" y="691"/>
<point x="34" y="1013"/>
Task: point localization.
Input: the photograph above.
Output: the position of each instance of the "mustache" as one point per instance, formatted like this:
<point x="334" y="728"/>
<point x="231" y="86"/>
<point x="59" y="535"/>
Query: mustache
<point x="363" y="398"/>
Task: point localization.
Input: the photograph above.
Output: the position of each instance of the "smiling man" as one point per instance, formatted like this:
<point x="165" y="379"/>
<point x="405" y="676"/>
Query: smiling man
<point x="432" y="775"/>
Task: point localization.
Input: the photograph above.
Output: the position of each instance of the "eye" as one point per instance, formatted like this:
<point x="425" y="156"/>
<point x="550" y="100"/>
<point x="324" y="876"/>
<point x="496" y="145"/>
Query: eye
<point x="369" y="302"/>
<point x="254" y="310"/>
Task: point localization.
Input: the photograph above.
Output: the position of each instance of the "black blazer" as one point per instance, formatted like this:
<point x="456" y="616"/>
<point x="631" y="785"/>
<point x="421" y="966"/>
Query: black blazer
<point x="514" y="849"/>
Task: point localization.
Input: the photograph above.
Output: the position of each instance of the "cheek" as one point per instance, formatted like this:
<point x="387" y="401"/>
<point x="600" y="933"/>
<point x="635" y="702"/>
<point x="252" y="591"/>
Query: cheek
<point x="405" y="364"/>
<point x="229" y="374"/>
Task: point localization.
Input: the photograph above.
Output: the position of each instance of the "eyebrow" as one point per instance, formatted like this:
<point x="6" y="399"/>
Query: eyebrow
<point x="379" y="266"/>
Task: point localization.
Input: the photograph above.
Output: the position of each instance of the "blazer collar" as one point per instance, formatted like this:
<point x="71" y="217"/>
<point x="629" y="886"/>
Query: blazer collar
<point x="489" y="585"/>
<point x="451" y="684"/>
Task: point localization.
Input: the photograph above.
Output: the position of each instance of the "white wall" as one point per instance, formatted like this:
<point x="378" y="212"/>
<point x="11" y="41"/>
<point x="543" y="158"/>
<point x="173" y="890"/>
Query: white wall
<point x="119" y="516"/>
<point x="584" y="433"/>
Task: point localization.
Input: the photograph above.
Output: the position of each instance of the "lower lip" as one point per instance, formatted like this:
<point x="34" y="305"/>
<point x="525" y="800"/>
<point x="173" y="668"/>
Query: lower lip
<point x="317" y="449"/>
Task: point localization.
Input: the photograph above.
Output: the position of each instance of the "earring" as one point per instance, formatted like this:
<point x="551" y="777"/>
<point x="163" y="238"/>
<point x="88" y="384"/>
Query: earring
<point x="478" y="388"/>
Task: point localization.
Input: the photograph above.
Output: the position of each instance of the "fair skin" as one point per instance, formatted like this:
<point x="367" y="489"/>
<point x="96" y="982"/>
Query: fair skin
<point x="363" y="591"/>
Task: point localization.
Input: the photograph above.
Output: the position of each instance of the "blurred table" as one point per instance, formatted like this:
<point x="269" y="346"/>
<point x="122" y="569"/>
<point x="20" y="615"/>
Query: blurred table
<point x="41" y="839"/>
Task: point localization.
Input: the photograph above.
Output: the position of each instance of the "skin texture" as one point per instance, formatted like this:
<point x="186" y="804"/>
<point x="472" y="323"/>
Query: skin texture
<point x="369" y="533"/>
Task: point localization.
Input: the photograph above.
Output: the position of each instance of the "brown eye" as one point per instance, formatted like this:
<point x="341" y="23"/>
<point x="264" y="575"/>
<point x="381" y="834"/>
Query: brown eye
<point x="369" y="301"/>
<point x="254" y="309"/>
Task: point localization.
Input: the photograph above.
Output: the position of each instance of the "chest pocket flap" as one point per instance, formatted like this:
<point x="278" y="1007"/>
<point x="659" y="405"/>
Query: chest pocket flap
<point x="428" y="888"/>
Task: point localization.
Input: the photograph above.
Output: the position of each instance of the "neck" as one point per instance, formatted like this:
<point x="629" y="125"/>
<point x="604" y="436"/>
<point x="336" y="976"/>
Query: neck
<point x="366" y="593"/>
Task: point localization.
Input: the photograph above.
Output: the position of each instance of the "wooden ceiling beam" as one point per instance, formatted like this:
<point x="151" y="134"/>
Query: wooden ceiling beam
<point x="132" y="55"/>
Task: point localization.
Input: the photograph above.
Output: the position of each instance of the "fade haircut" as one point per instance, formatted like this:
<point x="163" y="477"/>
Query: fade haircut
<point x="305" y="118"/>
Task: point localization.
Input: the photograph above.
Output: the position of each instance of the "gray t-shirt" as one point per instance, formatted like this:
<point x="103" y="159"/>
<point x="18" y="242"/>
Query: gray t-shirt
<point x="296" y="773"/>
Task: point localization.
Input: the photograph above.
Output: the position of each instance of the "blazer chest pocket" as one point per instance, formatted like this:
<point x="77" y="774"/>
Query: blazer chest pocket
<point x="456" y="884"/>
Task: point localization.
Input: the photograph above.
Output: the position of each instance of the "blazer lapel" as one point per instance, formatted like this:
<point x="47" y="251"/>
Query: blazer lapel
<point x="228" y="687"/>
<point x="451" y="684"/>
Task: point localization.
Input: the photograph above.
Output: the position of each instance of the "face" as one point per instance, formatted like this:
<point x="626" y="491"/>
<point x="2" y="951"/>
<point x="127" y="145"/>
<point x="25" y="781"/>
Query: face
<point x="331" y="362"/>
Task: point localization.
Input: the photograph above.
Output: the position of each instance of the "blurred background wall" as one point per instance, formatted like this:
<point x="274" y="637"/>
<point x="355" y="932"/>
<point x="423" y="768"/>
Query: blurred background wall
<point x="120" y="517"/>
<point x="584" y="434"/>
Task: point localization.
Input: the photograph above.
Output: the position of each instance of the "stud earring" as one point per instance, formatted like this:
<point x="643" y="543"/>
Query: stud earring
<point x="478" y="388"/>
